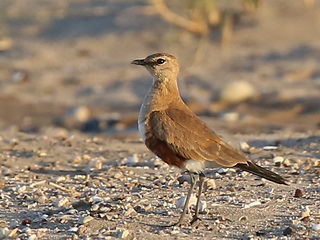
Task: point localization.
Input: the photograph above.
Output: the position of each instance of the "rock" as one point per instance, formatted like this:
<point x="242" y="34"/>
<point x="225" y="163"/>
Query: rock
<point x="245" y="147"/>
<point x="181" y="201"/>
<point x="85" y="219"/>
<point x="230" y="116"/>
<point x="298" y="193"/>
<point x="4" y="233"/>
<point x="278" y="160"/>
<point x="270" y="148"/>
<point x="210" y="184"/>
<point x="61" y="202"/>
<point x="202" y="206"/>
<point x="123" y="233"/>
<point x="73" y="229"/>
<point x="133" y="160"/>
<point x="305" y="212"/>
<point x="252" y="204"/>
<point x="21" y="189"/>
<point x="288" y="231"/>
<point x="316" y="226"/>
<point x="130" y="211"/>
<point x="32" y="237"/>
<point x="238" y="91"/>
<point x="184" y="178"/>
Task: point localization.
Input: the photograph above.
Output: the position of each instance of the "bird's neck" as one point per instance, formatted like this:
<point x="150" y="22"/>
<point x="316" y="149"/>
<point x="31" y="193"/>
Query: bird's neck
<point x="163" y="92"/>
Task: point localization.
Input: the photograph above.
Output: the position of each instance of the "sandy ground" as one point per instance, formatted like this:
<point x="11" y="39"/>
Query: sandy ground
<point x="72" y="163"/>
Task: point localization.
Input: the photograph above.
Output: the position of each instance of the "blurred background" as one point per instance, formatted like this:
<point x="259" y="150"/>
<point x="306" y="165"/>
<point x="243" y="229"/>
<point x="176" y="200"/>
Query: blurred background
<point x="247" y="66"/>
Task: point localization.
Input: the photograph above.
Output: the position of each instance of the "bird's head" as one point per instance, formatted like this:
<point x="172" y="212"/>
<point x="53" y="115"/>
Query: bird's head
<point x="160" y="65"/>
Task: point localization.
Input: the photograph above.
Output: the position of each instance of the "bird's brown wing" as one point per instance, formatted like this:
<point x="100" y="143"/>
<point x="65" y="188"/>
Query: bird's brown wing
<point x="188" y="136"/>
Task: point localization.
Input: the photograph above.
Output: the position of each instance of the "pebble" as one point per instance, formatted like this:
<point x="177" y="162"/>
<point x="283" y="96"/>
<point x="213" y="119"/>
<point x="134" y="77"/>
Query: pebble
<point x="95" y="199"/>
<point x="210" y="184"/>
<point x="130" y="211"/>
<point x="184" y="178"/>
<point x="61" y="202"/>
<point x="4" y="232"/>
<point x="316" y="226"/>
<point x="245" y="147"/>
<point x="305" y="212"/>
<point x="230" y="116"/>
<point x="32" y="237"/>
<point x="252" y="204"/>
<point x="298" y="193"/>
<point x="73" y="229"/>
<point x="202" y="206"/>
<point x="238" y="91"/>
<point x="132" y="160"/>
<point x="123" y="233"/>
<point x="270" y="148"/>
<point x="42" y="199"/>
<point x="85" y="219"/>
<point x="288" y="231"/>
<point x="21" y="189"/>
<point x="278" y="160"/>
<point x="181" y="201"/>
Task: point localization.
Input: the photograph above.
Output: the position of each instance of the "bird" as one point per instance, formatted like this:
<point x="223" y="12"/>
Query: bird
<point x="179" y="137"/>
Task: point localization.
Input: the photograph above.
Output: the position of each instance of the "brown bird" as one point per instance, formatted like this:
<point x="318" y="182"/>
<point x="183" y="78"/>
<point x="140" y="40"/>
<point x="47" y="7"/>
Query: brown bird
<point x="179" y="137"/>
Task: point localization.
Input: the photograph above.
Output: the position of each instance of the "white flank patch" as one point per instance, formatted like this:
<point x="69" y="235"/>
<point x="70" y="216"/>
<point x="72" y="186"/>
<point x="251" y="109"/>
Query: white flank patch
<point x="194" y="166"/>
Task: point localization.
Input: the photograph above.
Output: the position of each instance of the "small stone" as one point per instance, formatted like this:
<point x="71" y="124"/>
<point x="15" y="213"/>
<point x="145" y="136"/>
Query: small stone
<point x="14" y="224"/>
<point x="230" y="116"/>
<point x="181" y="201"/>
<point x="130" y="211"/>
<point x="32" y="237"/>
<point x="133" y="160"/>
<point x="123" y="233"/>
<point x="202" y="206"/>
<point x="96" y="199"/>
<point x="298" y="193"/>
<point x="118" y="175"/>
<point x="61" y="202"/>
<point x="316" y="226"/>
<point x="60" y="179"/>
<point x="26" y="221"/>
<point x="305" y="212"/>
<point x="278" y="160"/>
<point x="85" y="219"/>
<point x="243" y="218"/>
<point x="305" y="219"/>
<point x="287" y="162"/>
<point x="4" y="232"/>
<point x="184" y="178"/>
<point x="210" y="184"/>
<point x="252" y="204"/>
<point x="244" y="147"/>
<point x="21" y="189"/>
<point x="42" y="199"/>
<point x="288" y="231"/>
<point x="270" y="148"/>
<point x="13" y="233"/>
<point x="73" y="229"/>
<point x="238" y="91"/>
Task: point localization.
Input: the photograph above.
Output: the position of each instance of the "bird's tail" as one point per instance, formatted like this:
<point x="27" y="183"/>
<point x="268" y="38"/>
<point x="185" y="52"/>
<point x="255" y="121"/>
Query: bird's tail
<point x="261" y="172"/>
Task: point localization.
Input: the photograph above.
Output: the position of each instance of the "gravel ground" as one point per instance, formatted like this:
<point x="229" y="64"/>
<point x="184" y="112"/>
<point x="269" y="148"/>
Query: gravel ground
<point x="80" y="187"/>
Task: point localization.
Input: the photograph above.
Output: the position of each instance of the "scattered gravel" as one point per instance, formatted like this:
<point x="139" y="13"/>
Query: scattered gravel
<point x="128" y="193"/>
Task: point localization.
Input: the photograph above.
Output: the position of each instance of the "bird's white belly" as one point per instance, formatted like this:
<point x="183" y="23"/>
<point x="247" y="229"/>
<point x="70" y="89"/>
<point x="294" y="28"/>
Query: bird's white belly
<point x="198" y="166"/>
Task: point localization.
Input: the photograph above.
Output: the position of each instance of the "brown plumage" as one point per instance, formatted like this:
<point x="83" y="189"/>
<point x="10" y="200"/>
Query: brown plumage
<point x="179" y="137"/>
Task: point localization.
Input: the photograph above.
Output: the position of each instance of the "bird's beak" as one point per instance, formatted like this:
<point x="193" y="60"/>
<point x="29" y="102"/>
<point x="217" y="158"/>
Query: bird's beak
<point x="139" y="62"/>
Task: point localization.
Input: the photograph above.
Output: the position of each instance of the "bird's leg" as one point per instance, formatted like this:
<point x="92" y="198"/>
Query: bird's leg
<point x="186" y="204"/>
<point x="201" y="182"/>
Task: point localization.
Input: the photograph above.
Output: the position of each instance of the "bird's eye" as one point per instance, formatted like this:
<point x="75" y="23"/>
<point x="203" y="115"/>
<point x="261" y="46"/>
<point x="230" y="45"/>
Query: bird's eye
<point x="161" y="61"/>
